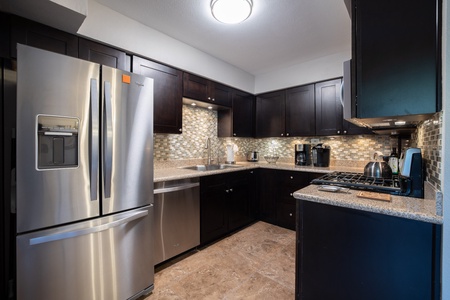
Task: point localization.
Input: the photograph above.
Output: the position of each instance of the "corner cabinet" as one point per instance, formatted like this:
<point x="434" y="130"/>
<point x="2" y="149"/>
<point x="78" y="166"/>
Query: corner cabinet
<point x="168" y="100"/>
<point x="226" y="203"/>
<point x="276" y="188"/>
<point x="365" y="255"/>
<point x="270" y="114"/>
<point x="396" y="57"/>
<point x="202" y="89"/>
<point x="300" y="106"/>
<point x="286" y="113"/>
<point x="238" y="121"/>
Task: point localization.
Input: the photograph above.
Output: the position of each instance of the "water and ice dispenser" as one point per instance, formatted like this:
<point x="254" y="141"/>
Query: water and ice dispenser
<point x="57" y="144"/>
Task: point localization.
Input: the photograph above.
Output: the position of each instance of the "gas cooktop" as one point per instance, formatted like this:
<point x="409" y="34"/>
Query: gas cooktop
<point x="361" y="182"/>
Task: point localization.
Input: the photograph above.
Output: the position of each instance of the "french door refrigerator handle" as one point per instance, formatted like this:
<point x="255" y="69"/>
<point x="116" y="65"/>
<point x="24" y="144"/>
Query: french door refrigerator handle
<point x="85" y="231"/>
<point x="94" y="151"/>
<point x="108" y="140"/>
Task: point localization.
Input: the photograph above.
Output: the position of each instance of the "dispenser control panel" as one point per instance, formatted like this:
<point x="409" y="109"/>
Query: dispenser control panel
<point x="57" y="142"/>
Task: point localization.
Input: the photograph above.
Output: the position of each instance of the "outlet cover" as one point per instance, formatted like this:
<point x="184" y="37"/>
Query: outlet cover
<point x="315" y="141"/>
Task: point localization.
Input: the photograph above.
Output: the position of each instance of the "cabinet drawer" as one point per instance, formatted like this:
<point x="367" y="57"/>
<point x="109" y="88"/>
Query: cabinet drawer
<point x="286" y="215"/>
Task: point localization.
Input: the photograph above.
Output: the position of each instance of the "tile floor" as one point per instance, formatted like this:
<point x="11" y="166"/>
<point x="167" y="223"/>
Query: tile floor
<point x="257" y="262"/>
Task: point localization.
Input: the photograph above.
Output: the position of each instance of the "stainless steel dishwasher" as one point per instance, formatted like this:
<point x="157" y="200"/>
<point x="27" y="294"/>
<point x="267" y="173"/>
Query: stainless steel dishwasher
<point x="177" y="217"/>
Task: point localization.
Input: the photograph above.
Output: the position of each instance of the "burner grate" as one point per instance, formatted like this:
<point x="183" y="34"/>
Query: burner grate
<point x="359" y="181"/>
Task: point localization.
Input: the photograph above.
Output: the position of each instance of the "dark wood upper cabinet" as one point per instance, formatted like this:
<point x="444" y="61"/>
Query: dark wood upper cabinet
<point x="238" y="122"/>
<point x="37" y="35"/>
<point x="243" y="114"/>
<point x="102" y="54"/>
<point x="396" y="55"/>
<point x="328" y="108"/>
<point x="270" y="114"/>
<point x="300" y="108"/>
<point x="168" y="100"/>
<point x="202" y="89"/>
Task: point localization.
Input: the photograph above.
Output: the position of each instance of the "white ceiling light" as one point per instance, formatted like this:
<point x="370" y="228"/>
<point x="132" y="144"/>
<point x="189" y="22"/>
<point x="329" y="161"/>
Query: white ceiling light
<point x="231" y="11"/>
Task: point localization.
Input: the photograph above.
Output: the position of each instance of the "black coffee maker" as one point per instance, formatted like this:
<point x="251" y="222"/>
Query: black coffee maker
<point x="321" y="155"/>
<point x="303" y="154"/>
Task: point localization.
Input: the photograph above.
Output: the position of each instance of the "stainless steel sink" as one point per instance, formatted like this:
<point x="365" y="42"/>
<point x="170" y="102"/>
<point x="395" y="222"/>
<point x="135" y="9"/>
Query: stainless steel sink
<point x="210" y="167"/>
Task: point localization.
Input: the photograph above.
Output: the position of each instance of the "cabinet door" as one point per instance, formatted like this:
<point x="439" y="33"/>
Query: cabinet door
<point x="213" y="208"/>
<point x="238" y="202"/>
<point x="219" y="94"/>
<point x="102" y="54"/>
<point x="243" y="114"/>
<point x="195" y="87"/>
<point x="41" y="36"/>
<point x="364" y="255"/>
<point x="270" y="114"/>
<point x="300" y="108"/>
<point x="286" y="203"/>
<point x="328" y="108"/>
<point x="268" y="193"/>
<point x="168" y="101"/>
<point x="396" y="50"/>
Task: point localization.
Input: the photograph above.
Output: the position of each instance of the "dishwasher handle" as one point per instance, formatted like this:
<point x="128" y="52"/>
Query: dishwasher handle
<point x="176" y="188"/>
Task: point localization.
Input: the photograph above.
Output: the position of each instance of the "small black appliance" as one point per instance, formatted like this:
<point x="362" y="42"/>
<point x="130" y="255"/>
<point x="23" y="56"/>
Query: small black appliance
<point x="303" y="154"/>
<point x="321" y="155"/>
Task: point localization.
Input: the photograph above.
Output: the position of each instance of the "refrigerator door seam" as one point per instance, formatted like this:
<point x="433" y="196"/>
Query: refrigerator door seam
<point x="90" y="230"/>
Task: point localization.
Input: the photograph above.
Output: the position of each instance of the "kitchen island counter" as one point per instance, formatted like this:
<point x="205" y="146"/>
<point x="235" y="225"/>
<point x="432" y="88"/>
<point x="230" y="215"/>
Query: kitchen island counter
<point x="399" y="206"/>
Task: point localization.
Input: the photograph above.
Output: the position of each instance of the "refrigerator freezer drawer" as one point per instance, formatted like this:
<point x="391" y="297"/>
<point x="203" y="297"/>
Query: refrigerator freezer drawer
<point x="106" y="258"/>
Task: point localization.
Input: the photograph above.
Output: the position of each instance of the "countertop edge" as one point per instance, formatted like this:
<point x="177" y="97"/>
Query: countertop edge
<point x="167" y="174"/>
<point x="404" y="207"/>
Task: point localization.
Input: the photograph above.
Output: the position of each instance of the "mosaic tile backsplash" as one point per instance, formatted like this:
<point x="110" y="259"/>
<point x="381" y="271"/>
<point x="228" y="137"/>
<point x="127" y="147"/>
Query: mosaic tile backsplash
<point x="428" y="137"/>
<point x="200" y="124"/>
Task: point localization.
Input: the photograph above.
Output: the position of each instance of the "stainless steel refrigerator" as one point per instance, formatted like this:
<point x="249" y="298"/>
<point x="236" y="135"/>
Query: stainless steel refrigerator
<point x="84" y="179"/>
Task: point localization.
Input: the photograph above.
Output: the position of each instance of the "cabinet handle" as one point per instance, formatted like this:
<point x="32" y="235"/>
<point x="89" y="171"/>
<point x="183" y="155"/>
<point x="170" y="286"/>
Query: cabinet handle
<point x="251" y="172"/>
<point x="291" y="194"/>
<point x="234" y="134"/>
<point x="213" y="99"/>
<point x="180" y="130"/>
<point x="287" y="134"/>
<point x="292" y="177"/>
<point x="290" y="215"/>
<point x="209" y="98"/>
<point x="345" y="131"/>
<point x="282" y="134"/>
<point x="338" y="132"/>
<point x="227" y="191"/>
<point x="231" y="190"/>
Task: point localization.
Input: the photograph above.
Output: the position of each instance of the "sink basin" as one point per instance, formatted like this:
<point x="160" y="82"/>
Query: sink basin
<point x="210" y="167"/>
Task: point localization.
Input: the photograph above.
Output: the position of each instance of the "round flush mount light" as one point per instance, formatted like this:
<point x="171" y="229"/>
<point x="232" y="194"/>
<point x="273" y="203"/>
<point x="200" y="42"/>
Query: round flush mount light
<point x="231" y="11"/>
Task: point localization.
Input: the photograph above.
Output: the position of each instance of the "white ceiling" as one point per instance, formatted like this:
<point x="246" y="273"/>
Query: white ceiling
<point x="279" y="33"/>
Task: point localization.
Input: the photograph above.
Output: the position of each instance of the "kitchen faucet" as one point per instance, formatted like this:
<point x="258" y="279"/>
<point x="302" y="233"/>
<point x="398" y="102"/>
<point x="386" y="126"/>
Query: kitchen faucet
<point x="208" y="146"/>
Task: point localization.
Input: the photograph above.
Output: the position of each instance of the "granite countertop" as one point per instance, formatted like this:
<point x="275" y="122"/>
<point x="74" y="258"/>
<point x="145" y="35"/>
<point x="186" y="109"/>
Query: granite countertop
<point x="405" y="207"/>
<point x="175" y="173"/>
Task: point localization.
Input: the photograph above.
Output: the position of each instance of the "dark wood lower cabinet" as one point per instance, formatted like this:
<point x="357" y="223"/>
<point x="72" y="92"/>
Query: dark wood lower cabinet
<point x="226" y="203"/>
<point x="350" y="254"/>
<point x="276" y="188"/>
